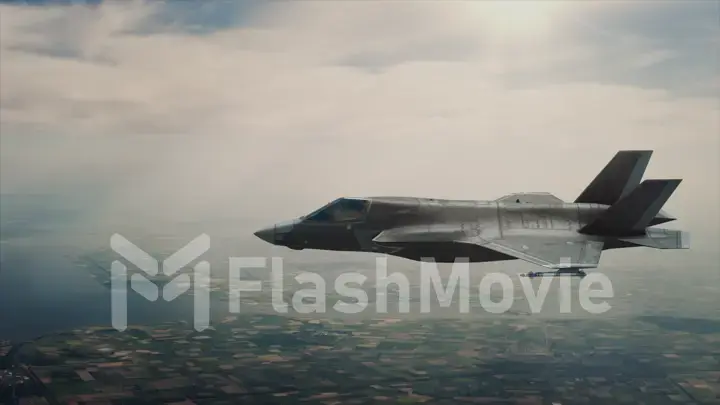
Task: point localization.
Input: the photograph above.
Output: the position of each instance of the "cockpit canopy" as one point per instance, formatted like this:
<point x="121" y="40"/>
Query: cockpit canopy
<point x="340" y="210"/>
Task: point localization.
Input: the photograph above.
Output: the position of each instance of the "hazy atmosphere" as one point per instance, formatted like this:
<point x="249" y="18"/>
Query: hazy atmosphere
<point x="165" y="120"/>
<point x="162" y="121"/>
<point x="256" y="111"/>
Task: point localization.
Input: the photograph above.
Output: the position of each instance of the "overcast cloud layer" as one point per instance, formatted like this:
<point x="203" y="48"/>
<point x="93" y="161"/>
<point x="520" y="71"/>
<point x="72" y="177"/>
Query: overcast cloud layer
<point x="255" y="112"/>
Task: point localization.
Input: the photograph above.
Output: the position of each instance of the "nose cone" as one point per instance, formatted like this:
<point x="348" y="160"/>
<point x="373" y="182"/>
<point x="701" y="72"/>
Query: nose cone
<point x="267" y="234"/>
<point x="278" y="233"/>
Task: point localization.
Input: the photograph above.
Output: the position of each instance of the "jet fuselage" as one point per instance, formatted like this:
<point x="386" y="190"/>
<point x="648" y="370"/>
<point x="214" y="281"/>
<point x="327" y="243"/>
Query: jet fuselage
<point x="442" y="222"/>
<point x="615" y="210"/>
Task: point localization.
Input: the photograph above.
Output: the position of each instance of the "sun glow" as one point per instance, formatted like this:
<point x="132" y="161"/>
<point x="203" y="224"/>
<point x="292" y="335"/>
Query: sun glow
<point x="519" y="17"/>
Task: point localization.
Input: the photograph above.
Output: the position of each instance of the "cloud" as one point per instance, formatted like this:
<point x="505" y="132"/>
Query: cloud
<point x="297" y="103"/>
<point x="652" y="58"/>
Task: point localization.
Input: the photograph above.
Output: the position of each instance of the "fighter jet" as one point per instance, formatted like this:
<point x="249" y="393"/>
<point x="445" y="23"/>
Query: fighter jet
<point x="616" y="210"/>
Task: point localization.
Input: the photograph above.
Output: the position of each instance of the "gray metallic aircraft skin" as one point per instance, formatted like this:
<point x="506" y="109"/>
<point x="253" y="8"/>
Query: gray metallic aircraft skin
<point x="537" y="227"/>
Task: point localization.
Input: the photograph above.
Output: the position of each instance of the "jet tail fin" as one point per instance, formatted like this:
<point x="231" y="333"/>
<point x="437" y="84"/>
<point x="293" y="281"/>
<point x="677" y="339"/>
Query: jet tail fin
<point x="634" y="212"/>
<point x="618" y="178"/>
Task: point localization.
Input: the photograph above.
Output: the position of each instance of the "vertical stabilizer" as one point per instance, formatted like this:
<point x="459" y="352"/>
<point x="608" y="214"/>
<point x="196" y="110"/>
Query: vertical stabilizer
<point x="634" y="212"/>
<point x="619" y="177"/>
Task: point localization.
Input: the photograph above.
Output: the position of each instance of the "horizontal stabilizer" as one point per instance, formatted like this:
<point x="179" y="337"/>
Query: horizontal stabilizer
<point x="634" y="212"/>
<point x="619" y="177"/>
<point x="661" y="239"/>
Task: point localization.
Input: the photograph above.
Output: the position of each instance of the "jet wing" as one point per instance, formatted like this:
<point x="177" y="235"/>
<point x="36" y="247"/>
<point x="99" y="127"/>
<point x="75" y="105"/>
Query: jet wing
<point x="553" y="253"/>
<point x="536" y="198"/>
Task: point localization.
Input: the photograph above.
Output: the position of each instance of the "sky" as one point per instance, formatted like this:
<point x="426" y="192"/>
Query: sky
<point x="249" y="113"/>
